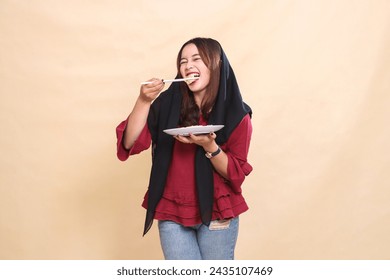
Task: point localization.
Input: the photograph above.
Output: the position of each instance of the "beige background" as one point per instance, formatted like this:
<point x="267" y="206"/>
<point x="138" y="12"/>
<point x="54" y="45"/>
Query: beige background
<point x="316" y="73"/>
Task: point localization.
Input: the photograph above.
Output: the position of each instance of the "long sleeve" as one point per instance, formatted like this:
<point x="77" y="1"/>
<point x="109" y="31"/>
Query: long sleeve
<point x="142" y="143"/>
<point x="237" y="148"/>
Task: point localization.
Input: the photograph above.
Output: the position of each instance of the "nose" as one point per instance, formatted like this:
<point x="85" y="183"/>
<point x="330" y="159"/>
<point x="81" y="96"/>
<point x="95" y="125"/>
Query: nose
<point x="189" y="66"/>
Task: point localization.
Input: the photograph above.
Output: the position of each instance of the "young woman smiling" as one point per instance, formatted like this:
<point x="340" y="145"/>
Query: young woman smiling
<point x="195" y="184"/>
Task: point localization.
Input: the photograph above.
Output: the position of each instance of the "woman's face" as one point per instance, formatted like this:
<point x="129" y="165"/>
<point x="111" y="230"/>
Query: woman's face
<point x="191" y="63"/>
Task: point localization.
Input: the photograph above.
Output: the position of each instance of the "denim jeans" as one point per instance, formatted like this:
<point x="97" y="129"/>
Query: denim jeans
<point x="200" y="242"/>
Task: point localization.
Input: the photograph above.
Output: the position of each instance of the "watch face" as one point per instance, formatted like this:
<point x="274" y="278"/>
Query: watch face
<point x="208" y="155"/>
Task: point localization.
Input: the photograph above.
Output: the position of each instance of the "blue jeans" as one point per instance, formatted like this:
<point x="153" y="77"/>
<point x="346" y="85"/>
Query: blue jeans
<point x="200" y="242"/>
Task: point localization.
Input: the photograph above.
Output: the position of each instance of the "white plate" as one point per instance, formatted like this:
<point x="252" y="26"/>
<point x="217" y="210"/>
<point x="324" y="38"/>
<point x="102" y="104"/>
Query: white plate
<point x="195" y="129"/>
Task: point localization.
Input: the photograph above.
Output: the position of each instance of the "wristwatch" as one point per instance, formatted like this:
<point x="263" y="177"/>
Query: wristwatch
<point x="211" y="155"/>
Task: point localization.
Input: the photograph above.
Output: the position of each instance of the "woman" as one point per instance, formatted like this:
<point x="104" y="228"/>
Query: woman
<point x="195" y="184"/>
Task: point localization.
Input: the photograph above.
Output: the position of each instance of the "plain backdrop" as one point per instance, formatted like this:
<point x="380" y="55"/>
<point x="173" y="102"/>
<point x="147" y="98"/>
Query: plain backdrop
<point x="316" y="74"/>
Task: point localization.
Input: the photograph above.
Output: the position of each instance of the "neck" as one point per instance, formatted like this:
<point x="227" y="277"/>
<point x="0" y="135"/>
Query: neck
<point x="198" y="96"/>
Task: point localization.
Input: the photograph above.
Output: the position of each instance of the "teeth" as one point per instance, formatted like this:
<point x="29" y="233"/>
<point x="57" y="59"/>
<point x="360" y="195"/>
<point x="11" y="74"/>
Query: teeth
<point x="191" y="76"/>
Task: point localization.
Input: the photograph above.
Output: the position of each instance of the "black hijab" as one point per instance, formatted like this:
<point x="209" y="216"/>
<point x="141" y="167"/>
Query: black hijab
<point x="229" y="109"/>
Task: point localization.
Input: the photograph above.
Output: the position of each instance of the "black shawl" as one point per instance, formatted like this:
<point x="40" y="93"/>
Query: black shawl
<point x="228" y="110"/>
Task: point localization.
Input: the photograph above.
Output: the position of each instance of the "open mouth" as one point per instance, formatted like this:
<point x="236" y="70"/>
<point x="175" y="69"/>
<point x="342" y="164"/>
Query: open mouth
<point x="192" y="77"/>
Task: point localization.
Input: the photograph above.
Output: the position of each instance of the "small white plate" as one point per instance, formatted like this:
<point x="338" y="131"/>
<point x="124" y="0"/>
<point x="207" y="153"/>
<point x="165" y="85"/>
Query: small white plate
<point x="195" y="129"/>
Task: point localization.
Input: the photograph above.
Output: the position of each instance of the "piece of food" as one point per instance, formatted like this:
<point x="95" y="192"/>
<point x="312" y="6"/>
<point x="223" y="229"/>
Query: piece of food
<point x="191" y="78"/>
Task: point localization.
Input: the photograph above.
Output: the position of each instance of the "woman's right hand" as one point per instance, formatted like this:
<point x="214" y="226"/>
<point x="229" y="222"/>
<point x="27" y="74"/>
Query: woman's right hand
<point x="138" y="116"/>
<point x="149" y="92"/>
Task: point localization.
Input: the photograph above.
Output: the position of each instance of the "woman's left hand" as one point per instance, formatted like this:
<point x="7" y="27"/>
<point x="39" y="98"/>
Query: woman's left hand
<point x="206" y="141"/>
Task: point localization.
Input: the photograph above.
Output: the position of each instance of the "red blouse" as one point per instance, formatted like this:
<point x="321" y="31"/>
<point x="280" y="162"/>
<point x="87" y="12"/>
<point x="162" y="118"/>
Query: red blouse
<point x="179" y="202"/>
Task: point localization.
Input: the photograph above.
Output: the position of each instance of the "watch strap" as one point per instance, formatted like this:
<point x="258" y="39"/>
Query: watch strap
<point x="211" y="155"/>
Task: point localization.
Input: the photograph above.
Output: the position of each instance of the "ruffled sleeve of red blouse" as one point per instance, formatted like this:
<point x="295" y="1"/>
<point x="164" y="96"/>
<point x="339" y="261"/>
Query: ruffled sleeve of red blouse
<point x="236" y="149"/>
<point x="142" y="143"/>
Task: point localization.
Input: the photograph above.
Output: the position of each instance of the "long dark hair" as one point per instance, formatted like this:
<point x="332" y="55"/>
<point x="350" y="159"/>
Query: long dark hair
<point x="210" y="52"/>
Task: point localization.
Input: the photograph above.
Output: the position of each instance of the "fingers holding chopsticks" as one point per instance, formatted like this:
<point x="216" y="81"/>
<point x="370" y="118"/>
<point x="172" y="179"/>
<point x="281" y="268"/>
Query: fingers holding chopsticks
<point x="152" y="89"/>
